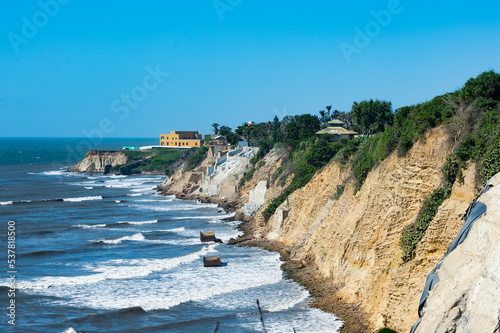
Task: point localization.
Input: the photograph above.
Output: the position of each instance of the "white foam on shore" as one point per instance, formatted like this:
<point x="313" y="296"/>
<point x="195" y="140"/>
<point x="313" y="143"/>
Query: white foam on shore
<point x="52" y="173"/>
<point x="174" y="230"/>
<point x="178" y="242"/>
<point x="205" y="217"/>
<point x="154" y="200"/>
<point x="5" y="203"/>
<point x="309" y="320"/>
<point x="137" y="237"/>
<point x="169" y="208"/>
<point x="288" y="302"/>
<point x="172" y="287"/>
<point x="142" y="189"/>
<point x="112" y="270"/>
<point x="139" y="222"/>
<point x="98" y="197"/>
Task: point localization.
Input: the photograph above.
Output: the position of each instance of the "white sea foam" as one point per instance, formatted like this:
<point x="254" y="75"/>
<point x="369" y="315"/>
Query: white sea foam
<point x="181" y="242"/>
<point x="53" y="173"/>
<point x="205" y="217"/>
<point x="136" y="237"/>
<point x="173" y="207"/>
<point x="111" y="270"/>
<point x="309" y="320"/>
<point x="5" y="203"/>
<point x="115" y="176"/>
<point x="288" y="302"/>
<point x="70" y="330"/>
<point x="134" y="194"/>
<point x="154" y="200"/>
<point x="118" y="201"/>
<point x="172" y="287"/>
<point x="88" y="188"/>
<point x="174" y="230"/>
<point x="139" y="222"/>
<point x="90" y="226"/>
<point x="97" y="197"/>
<point x="143" y="189"/>
<point x="181" y="229"/>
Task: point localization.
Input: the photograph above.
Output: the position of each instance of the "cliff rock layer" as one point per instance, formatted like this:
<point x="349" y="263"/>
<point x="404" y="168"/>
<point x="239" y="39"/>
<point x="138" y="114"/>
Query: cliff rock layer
<point x="354" y="240"/>
<point x="97" y="161"/>
<point x="467" y="296"/>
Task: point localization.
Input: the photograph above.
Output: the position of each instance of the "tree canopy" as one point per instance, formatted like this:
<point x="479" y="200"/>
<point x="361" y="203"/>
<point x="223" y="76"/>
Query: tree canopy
<point x="372" y="116"/>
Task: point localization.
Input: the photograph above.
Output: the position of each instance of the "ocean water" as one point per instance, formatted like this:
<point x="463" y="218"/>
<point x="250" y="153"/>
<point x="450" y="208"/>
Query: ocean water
<point x="106" y="253"/>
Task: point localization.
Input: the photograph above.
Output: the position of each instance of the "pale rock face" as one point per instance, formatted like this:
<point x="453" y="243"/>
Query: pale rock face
<point x="467" y="298"/>
<point x="96" y="161"/>
<point x="355" y="240"/>
<point x="257" y="196"/>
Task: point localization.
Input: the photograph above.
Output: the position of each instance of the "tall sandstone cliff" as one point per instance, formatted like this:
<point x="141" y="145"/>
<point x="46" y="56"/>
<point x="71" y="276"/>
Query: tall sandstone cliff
<point x="354" y="241"/>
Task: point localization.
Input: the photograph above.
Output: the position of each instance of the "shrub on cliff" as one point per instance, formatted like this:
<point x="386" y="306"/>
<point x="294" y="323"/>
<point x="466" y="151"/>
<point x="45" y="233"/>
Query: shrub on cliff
<point x="414" y="232"/>
<point x="486" y="85"/>
<point x="197" y="158"/>
<point x="315" y="156"/>
<point x="476" y="127"/>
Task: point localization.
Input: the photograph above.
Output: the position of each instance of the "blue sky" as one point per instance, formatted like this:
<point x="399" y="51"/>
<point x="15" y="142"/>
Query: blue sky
<point x="73" y="68"/>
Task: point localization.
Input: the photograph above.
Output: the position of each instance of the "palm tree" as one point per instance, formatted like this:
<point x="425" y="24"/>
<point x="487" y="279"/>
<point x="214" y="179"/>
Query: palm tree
<point x="322" y="113"/>
<point x="328" y="108"/>
<point x="216" y="128"/>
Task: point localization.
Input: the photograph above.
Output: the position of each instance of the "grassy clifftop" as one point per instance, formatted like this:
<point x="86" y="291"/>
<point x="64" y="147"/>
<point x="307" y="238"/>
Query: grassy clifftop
<point x="159" y="161"/>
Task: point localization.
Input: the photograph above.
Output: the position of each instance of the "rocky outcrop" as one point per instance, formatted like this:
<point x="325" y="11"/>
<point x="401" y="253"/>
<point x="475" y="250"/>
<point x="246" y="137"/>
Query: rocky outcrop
<point x="355" y="240"/>
<point x="467" y="296"/>
<point x="100" y="161"/>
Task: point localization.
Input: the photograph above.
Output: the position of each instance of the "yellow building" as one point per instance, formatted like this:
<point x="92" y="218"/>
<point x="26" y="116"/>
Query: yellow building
<point x="181" y="139"/>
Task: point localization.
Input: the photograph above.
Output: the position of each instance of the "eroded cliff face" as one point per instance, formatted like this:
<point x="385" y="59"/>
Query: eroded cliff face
<point x="354" y="241"/>
<point x="97" y="161"/>
<point x="467" y="296"/>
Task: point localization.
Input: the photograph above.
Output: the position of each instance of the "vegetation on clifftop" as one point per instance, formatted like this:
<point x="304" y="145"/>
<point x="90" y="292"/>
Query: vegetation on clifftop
<point x="472" y="114"/>
<point x="159" y="161"/>
<point x="476" y="131"/>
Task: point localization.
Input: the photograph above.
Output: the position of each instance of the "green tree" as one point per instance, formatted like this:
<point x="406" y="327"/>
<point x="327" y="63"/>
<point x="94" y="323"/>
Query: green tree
<point x="301" y="128"/>
<point x="372" y="116"/>
<point x="225" y="130"/>
<point x="216" y="128"/>
<point x="486" y="85"/>
<point x="328" y="109"/>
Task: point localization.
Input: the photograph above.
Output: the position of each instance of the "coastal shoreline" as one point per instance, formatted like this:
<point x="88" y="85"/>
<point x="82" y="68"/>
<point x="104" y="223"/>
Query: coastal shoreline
<point x="323" y="291"/>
